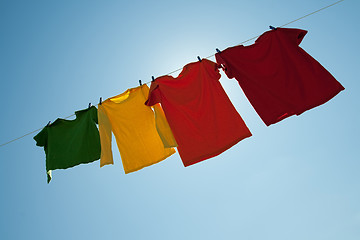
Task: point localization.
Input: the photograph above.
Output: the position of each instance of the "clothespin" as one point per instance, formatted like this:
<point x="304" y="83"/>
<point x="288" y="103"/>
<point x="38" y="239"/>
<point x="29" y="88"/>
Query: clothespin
<point x="140" y="82"/>
<point x="48" y="123"/>
<point x="219" y="65"/>
<point x="100" y="101"/>
<point x="272" y="28"/>
<point x="89" y="105"/>
<point x="153" y="79"/>
<point x="199" y="58"/>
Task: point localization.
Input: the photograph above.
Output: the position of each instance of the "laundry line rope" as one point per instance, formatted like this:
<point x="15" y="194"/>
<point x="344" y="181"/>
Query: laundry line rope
<point x="285" y="24"/>
<point x="309" y="14"/>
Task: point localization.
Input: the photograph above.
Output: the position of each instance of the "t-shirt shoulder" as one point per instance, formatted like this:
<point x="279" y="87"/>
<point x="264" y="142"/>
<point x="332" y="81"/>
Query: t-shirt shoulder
<point x="41" y="137"/>
<point x="154" y="95"/>
<point x="294" y="35"/>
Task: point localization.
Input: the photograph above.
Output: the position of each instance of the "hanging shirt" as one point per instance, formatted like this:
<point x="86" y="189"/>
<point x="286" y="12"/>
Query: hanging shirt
<point x="140" y="143"/>
<point x="277" y="76"/>
<point x="203" y="120"/>
<point x="68" y="143"/>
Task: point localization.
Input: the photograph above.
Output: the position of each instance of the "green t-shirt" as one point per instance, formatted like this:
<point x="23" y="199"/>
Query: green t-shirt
<point x="68" y="143"/>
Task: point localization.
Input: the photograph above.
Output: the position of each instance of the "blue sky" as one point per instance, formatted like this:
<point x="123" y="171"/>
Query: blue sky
<point x="298" y="179"/>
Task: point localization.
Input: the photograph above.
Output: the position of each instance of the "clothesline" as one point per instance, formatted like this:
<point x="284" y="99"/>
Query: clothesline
<point x="295" y="20"/>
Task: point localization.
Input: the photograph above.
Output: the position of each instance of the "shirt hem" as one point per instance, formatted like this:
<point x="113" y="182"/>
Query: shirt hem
<point x="306" y="108"/>
<point x="147" y="165"/>
<point x="215" y="153"/>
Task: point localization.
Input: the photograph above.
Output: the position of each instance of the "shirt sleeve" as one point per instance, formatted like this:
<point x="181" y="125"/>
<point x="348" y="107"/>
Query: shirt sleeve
<point x="162" y="125"/>
<point x="212" y="69"/>
<point x="154" y="95"/>
<point x="293" y="34"/>
<point x="220" y="60"/>
<point x="41" y="140"/>
<point x="105" y="137"/>
<point x="163" y="128"/>
<point x="41" y="137"/>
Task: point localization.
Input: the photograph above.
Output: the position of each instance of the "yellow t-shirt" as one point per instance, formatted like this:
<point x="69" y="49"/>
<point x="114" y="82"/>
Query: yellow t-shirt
<point x="142" y="133"/>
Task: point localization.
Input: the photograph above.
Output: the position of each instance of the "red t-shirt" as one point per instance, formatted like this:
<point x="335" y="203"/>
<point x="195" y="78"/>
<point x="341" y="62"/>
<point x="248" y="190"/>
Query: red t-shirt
<point x="277" y="76"/>
<point x="203" y="120"/>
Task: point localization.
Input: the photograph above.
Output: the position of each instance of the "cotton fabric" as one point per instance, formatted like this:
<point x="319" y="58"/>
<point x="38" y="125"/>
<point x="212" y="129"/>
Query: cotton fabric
<point x="277" y="76"/>
<point x="68" y="143"/>
<point x="140" y="140"/>
<point x="200" y="114"/>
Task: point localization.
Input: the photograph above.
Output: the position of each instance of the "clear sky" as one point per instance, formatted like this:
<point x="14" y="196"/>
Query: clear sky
<point x="298" y="179"/>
